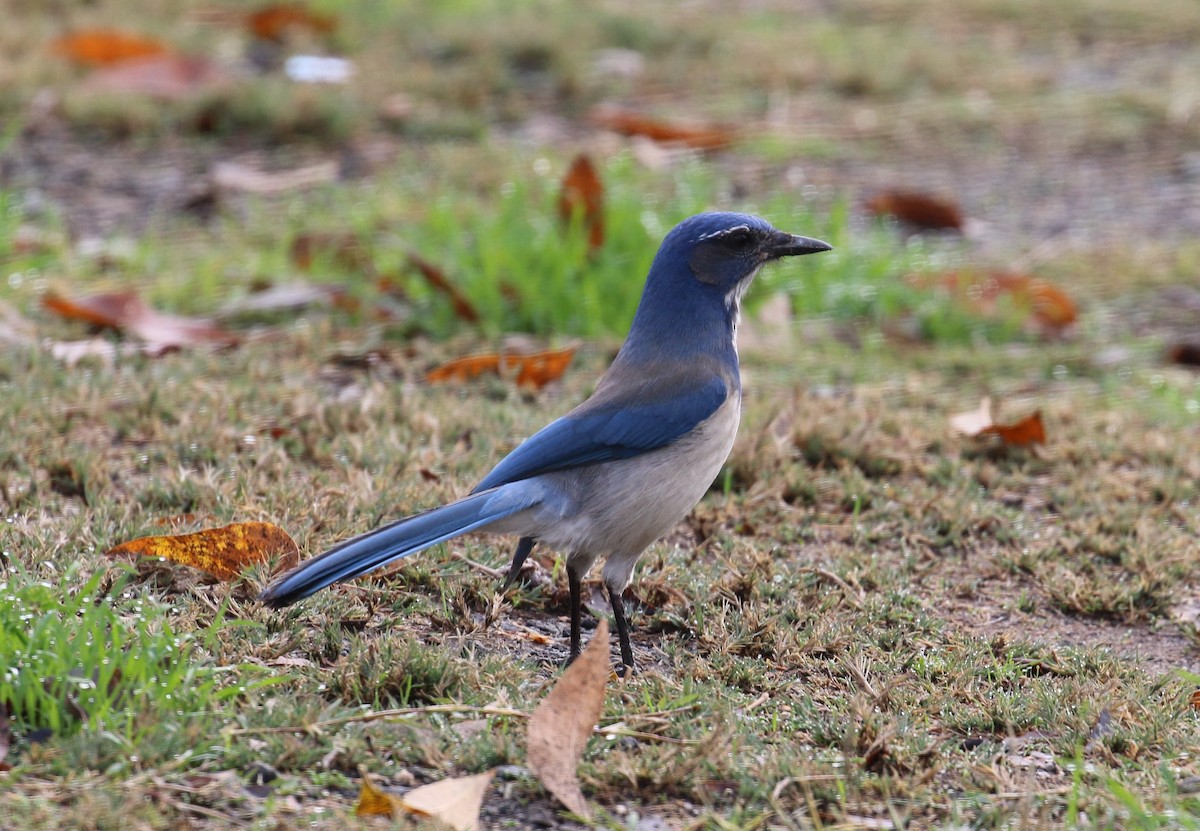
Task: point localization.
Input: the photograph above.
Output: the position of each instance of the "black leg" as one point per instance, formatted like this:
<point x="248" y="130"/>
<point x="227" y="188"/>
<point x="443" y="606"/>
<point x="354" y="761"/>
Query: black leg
<point x="618" y="607"/>
<point x="524" y="546"/>
<point x="576" y="583"/>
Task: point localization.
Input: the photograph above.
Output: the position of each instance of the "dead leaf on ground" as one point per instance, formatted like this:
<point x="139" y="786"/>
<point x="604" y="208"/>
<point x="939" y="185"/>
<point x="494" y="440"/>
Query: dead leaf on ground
<point x="344" y="248"/>
<point x="1194" y="700"/>
<point x="5" y="738"/>
<point x="1028" y="431"/>
<point x="242" y="178"/>
<point x="922" y="210"/>
<point x="126" y="312"/>
<point x="1184" y="353"/>
<point x="698" y="137"/>
<point x="222" y="552"/>
<point x="273" y="22"/>
<point x="530" y="370"/>
<point x="288" y="297"/>
<point x="562" y="724"/>
<point x="161" y="77"/>
<point x="455" y="802"/>
<point x="437" y="278"/>
<point x="105" y="47"/>
<point x="1048" y="307"/>
<point x="582" y="196"/>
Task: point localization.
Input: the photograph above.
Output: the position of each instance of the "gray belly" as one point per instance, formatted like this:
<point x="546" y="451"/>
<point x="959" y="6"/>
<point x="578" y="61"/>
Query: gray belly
<point x="616" y="509"/>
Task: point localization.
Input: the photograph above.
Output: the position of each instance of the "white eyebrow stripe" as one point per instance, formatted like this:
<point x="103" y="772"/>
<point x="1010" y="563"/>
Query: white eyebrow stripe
<point x="723" y="232"/>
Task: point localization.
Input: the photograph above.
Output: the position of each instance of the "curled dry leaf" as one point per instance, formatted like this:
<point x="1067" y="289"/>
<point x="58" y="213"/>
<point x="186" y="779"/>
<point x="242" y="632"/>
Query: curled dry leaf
<point x="1049" y="309"/>
<point x="1184" y="353"/>
<point x="561" y="725"/>
<point x="922" y="210"/>
<point x="533" y="370"/>
<point x="437" y="278"/>
<point x="273" y="22"/>
<point x="126" y="312"/>
<point x="343" y="248"/>
<point x="104" y="47"/>
<point x="455" y="802"/>
<point x="235" y="176"/>
<point x="633" y="124"/>
<point x="582" y="195"/>
<point x="1028" y="431"/>
<point x="222" y="552"/>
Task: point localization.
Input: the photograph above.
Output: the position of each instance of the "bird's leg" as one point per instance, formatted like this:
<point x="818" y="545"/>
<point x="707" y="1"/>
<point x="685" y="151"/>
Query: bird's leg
<point x="618" y="607"/>
<point x="524" y="546"/>
<point x="575" y="581"/>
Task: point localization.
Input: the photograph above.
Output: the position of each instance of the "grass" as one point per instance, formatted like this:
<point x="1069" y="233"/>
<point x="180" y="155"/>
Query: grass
<point x="867" y="620"/>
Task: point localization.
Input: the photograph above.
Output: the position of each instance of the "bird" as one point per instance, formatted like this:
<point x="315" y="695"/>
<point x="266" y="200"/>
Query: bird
<point x="627" y="464"/>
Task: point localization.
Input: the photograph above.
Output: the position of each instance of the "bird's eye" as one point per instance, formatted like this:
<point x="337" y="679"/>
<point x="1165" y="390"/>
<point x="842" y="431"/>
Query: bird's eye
<point x="739" y="239"/>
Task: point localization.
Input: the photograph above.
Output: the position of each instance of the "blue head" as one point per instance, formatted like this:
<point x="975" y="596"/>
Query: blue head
<point x="702" y="269"/>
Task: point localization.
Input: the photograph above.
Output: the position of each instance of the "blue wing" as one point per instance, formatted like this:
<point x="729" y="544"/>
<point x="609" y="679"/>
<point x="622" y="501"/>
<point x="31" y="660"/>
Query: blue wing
<point x="619" y="421"/>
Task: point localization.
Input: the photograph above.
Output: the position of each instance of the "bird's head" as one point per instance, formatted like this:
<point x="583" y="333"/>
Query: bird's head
<point x="726" y="250"/>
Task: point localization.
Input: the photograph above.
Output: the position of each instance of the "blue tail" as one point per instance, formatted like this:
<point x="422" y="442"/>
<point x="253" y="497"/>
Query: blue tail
<point x="369" y="551"/>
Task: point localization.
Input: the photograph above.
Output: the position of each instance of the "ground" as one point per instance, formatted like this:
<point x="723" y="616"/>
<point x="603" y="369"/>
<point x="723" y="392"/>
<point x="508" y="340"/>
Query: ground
<point x="870" y="621"/>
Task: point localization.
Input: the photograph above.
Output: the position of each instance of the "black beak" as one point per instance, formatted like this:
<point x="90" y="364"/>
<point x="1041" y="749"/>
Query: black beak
<point x="790" y="245"/>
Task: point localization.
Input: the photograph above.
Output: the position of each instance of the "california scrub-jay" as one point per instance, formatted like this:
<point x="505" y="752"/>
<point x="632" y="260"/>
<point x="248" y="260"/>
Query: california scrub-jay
<point x="625" y="466"/>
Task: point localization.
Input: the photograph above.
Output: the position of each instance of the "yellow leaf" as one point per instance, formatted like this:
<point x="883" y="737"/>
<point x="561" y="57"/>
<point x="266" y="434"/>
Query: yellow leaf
<point x="561" y="725"/>
<point x="373" y="802"/>
<point x="222" y="552"/>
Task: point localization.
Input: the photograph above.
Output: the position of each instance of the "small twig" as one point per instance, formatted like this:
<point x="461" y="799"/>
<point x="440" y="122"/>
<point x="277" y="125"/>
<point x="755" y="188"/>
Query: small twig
<point x="853" y="595"/>
<point x="318" y="728"/>
<point x="493" y="572"/>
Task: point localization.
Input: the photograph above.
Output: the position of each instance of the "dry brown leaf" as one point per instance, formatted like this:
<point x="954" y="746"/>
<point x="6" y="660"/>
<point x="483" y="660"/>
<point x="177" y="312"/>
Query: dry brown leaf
<point x="922" y="210"/>
<point x="1029" y="430"/>
<point x="437" y="278"/>
<point x="126" y="312"/>
<point x="347" y="249"/>
<point x="532" y="370"/>
<point x="1194" y="700"/>
<point x="275" y="21"/>
<point x="633" y="124"/>
<point x="292" y="296"/>
<point x="562" y="724"/>
<point x="582" y="195"/>
<point x="104" y="47"/>
<point x="161" y="77"/>
<point x="455" y="802"/>
<point x="222" y="552"/>
<point x="1048" y="307"/>
<point x="235" y="176"/>
<point x="1184" y="353"/>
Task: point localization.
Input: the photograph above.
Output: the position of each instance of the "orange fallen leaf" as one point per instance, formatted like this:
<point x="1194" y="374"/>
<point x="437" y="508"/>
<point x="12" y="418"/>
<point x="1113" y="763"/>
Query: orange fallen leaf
<point x="346" y="249"/>
<point x="273" y="22"/>
<point x="222" y="552"/>
<point x="562" y="724"/>
<point x="161" y="77"/>
<point x="1029" y="430"/>
<point x="633" y="124"/>
<point x="582" y="195"/>
<point x="437" y="278"/>
<point x="1049" y="309"/>
<point x="126" y="312"/>
<point x="104" y="47"/>
<point x="373" y="802"/>
<point x="916" y="208"/>
<point x="1194" y="700"/>
<point x="456" y="801"/>
<point x="533" y="370"/>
